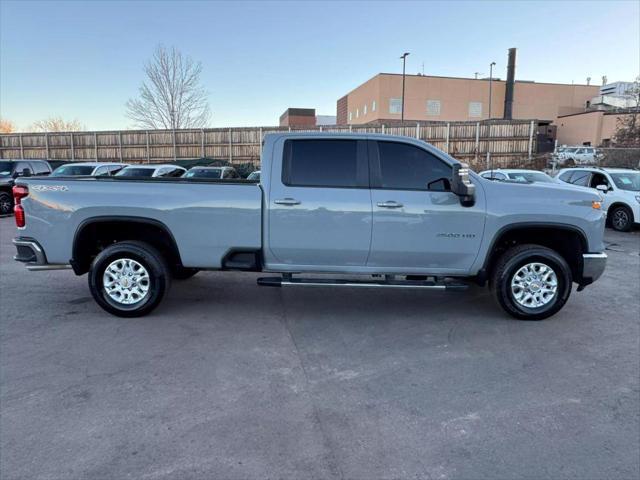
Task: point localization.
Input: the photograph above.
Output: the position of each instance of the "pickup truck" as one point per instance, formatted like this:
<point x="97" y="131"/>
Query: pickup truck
<point x="383" y="211"/>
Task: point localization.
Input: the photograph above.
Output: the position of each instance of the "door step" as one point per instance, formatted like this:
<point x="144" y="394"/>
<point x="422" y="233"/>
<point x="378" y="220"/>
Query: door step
<point x="289" y="281"/>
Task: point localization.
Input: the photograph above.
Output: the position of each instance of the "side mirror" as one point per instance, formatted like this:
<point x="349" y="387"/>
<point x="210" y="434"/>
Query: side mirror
<point x="26" y="172"/>
<point x="602" y="188"/>
<point x="461" y="185"/>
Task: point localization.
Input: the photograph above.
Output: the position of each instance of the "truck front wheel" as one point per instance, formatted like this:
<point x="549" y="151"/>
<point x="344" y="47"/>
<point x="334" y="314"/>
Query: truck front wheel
<point x="531" y="282"/>
<point x="129" y="279"/>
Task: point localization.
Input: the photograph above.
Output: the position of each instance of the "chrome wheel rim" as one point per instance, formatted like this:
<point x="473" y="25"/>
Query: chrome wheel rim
<point x="126" y="281"/>
<point x="620" y="218"/>
<point x="534" y="285"/>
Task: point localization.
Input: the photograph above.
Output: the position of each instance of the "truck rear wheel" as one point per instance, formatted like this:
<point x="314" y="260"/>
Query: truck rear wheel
<point x="531" y="282"/>
<point x="6" y="203"/>
<point x="129" y="279"/>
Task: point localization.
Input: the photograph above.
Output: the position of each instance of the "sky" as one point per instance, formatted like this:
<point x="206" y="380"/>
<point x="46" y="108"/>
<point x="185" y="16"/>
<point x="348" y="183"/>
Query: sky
<point x="83" y="60"/>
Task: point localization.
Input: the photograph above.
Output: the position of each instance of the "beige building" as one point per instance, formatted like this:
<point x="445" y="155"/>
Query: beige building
<point x="595" y="128"/>
<point x="379" y="99"/>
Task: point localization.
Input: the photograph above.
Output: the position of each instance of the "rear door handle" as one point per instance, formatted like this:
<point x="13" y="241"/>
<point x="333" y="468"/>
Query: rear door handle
<point x="390" y="204"/>
<point x="287" y="201"/>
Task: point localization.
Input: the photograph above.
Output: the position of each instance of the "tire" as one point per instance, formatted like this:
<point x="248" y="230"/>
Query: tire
<point x="121" y="259"/>
<point x="6" y="203"/>
<point x="531" y="300"/>
<point x="182" y="273"/>
<point x="621" y="218"/>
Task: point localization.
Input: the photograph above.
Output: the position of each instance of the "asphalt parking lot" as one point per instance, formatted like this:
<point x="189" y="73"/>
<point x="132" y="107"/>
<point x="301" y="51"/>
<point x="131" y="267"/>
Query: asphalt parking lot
<point x="230" y="380"/>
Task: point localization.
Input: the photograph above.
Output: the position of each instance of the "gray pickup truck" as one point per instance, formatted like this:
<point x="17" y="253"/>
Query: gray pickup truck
<point x="384" y="211"/>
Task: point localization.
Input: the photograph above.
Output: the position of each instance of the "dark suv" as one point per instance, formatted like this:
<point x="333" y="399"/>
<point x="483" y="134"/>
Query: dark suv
<point x="12" y="169"/>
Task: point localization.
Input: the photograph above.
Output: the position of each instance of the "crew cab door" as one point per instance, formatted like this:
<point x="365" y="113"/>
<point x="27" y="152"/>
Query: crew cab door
<point x="319" y="204"/>
<point x="418" y="224"/>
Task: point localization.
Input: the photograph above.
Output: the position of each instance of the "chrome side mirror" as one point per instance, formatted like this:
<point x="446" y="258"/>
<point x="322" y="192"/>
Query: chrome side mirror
<point x="462" y="186"/>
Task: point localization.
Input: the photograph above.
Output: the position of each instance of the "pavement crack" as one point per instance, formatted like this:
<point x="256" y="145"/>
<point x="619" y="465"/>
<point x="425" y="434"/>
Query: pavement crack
<point x="333" y="463"/>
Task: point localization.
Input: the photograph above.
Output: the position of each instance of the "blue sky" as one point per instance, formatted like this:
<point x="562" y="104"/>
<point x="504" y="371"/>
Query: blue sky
<point x="84" y="60"/>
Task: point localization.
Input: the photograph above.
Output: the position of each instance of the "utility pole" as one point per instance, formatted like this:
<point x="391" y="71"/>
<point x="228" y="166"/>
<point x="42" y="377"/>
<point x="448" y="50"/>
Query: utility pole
<point x="490" y="85"/>
<point x="404" y="62"/>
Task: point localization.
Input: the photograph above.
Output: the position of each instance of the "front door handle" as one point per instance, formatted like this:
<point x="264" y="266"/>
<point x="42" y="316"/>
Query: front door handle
<point x="390" y="204"/>
<point x="287" y="201"/>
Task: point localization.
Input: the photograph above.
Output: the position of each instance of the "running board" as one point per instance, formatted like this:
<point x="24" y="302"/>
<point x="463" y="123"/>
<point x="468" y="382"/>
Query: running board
<point x="319" y="282"/>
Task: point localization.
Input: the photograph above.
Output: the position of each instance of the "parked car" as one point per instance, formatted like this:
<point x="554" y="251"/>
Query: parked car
<point x="254" y="176"/>
<point x="152" y="171"/>
<point x="579" y="155"/>
<point x="517" y="175"/>
<point x="620" y="188"/>
<point x="12" y="169"/>
<point x="395" y="211"/>
<point x="212" y="172"/>
<point x="93" y="169"/>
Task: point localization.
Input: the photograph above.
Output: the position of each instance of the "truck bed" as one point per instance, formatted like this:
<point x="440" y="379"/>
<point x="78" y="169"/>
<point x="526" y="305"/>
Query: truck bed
<point x="207" y="218"/>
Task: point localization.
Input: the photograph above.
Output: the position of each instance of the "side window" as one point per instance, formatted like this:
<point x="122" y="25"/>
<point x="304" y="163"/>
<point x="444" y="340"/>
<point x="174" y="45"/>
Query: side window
<point x="598" y="179"/>
<point x="22" y="165"/>
<point x="324" y="163"/>
<point x="113" y="169"/>
<point x="176" y="172"/>
<point x="581" y="178"/>
<point x="566" y="176"/>
<point x="101" y="172"/>
<point x="40" y="168"/>
<point x="407" y="167"/>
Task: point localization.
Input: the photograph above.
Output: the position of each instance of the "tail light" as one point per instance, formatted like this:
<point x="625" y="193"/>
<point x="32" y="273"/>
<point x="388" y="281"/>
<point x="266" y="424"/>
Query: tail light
<point x="19" y="192"/>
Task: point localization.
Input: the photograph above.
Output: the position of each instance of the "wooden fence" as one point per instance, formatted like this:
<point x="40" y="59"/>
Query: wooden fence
<point x="505" y="141"/>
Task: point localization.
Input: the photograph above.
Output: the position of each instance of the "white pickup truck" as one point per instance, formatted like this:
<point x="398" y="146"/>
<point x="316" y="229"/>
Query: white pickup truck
<point x="393" y="212"/>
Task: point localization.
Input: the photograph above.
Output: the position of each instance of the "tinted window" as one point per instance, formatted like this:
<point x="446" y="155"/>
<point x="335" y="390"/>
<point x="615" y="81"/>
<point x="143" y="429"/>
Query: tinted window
<point x="176" y="172"/>
<point x="203" y="173"/>
<point x="530" y="177"/>
<point x="114" y="168"/>
<point x="598" y="179"/>
<point x="135" y="172"/>
<point x="72" y="170"/>
<point x="40" y="168"/>
<point x="321" y="163"/>
<point x="6" y="168"/>
<point x="407" y="167"/>
<point x="581" y="178"/>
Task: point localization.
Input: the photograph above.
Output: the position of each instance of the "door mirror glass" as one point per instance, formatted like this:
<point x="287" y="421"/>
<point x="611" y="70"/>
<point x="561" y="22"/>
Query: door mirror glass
<point x="461" y="185"/>
<point x="602" y="188"/>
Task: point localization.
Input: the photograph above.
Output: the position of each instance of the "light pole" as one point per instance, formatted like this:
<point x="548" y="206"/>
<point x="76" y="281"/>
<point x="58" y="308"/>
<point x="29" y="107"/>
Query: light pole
<point x="404" y="62"/>
<point x="490" y="85"/>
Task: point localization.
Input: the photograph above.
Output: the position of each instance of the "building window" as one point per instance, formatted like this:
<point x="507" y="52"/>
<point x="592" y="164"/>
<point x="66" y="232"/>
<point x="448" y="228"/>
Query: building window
<point x="350" y="116"/>
<point x="433" y="107"/>
<point x="364" y="109"/>
<point x="475" y="109"/>
<point x="395" y="105"/>
<point x="373" y="106"/>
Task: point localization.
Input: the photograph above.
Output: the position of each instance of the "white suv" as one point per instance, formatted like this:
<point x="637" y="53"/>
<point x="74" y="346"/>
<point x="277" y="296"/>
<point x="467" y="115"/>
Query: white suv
<point x="576" y="156"/>
<point x="620" y="188"/>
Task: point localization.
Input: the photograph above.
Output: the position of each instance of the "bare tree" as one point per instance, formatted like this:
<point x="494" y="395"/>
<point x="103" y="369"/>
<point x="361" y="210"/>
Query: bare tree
<point x="628" y="125"/>
<point x="172" y="96"/>
<point x="6" y="126"/>
<point x="56" y="124"/>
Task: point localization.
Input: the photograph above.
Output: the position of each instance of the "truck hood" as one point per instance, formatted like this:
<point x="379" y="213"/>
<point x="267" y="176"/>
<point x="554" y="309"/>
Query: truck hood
<point x="538" y="190"/>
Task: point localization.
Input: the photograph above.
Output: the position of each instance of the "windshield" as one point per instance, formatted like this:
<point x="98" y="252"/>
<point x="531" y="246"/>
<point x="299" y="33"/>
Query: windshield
<point x="72" y="170"/>
<point x="204" y="173"/>
<point x="627" y="181"/>
<point x="135" y="172"/>
<point x="5" y="169"/>
<point x="530" y="177"/>
<point x="254" y="176"/>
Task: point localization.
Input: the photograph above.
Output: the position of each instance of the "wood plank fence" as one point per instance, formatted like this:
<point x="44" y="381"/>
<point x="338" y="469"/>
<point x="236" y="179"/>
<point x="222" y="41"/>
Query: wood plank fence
<point x="505" y="141"/>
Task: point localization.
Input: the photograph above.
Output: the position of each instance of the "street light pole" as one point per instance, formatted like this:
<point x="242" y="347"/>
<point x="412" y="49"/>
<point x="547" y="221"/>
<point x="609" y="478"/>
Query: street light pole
<point x="490" y="85"/>
<point x="404" y="62"/>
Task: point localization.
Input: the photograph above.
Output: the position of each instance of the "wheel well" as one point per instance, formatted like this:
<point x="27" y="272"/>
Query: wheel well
<point x="620" y="204"/>
<point x="94" y="236"/>
<point x="569" y="243"/>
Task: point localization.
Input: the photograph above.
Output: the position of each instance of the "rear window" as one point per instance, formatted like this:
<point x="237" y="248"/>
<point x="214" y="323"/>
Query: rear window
<point x="204" y="173"/>
<point x="320" y="163"/>
<point x="581" y="178"/>
<point x="72" y="170"/>
<point x="135" y="172"/>
<point x="5" y="169"/>
<point x="40" y="167"/>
